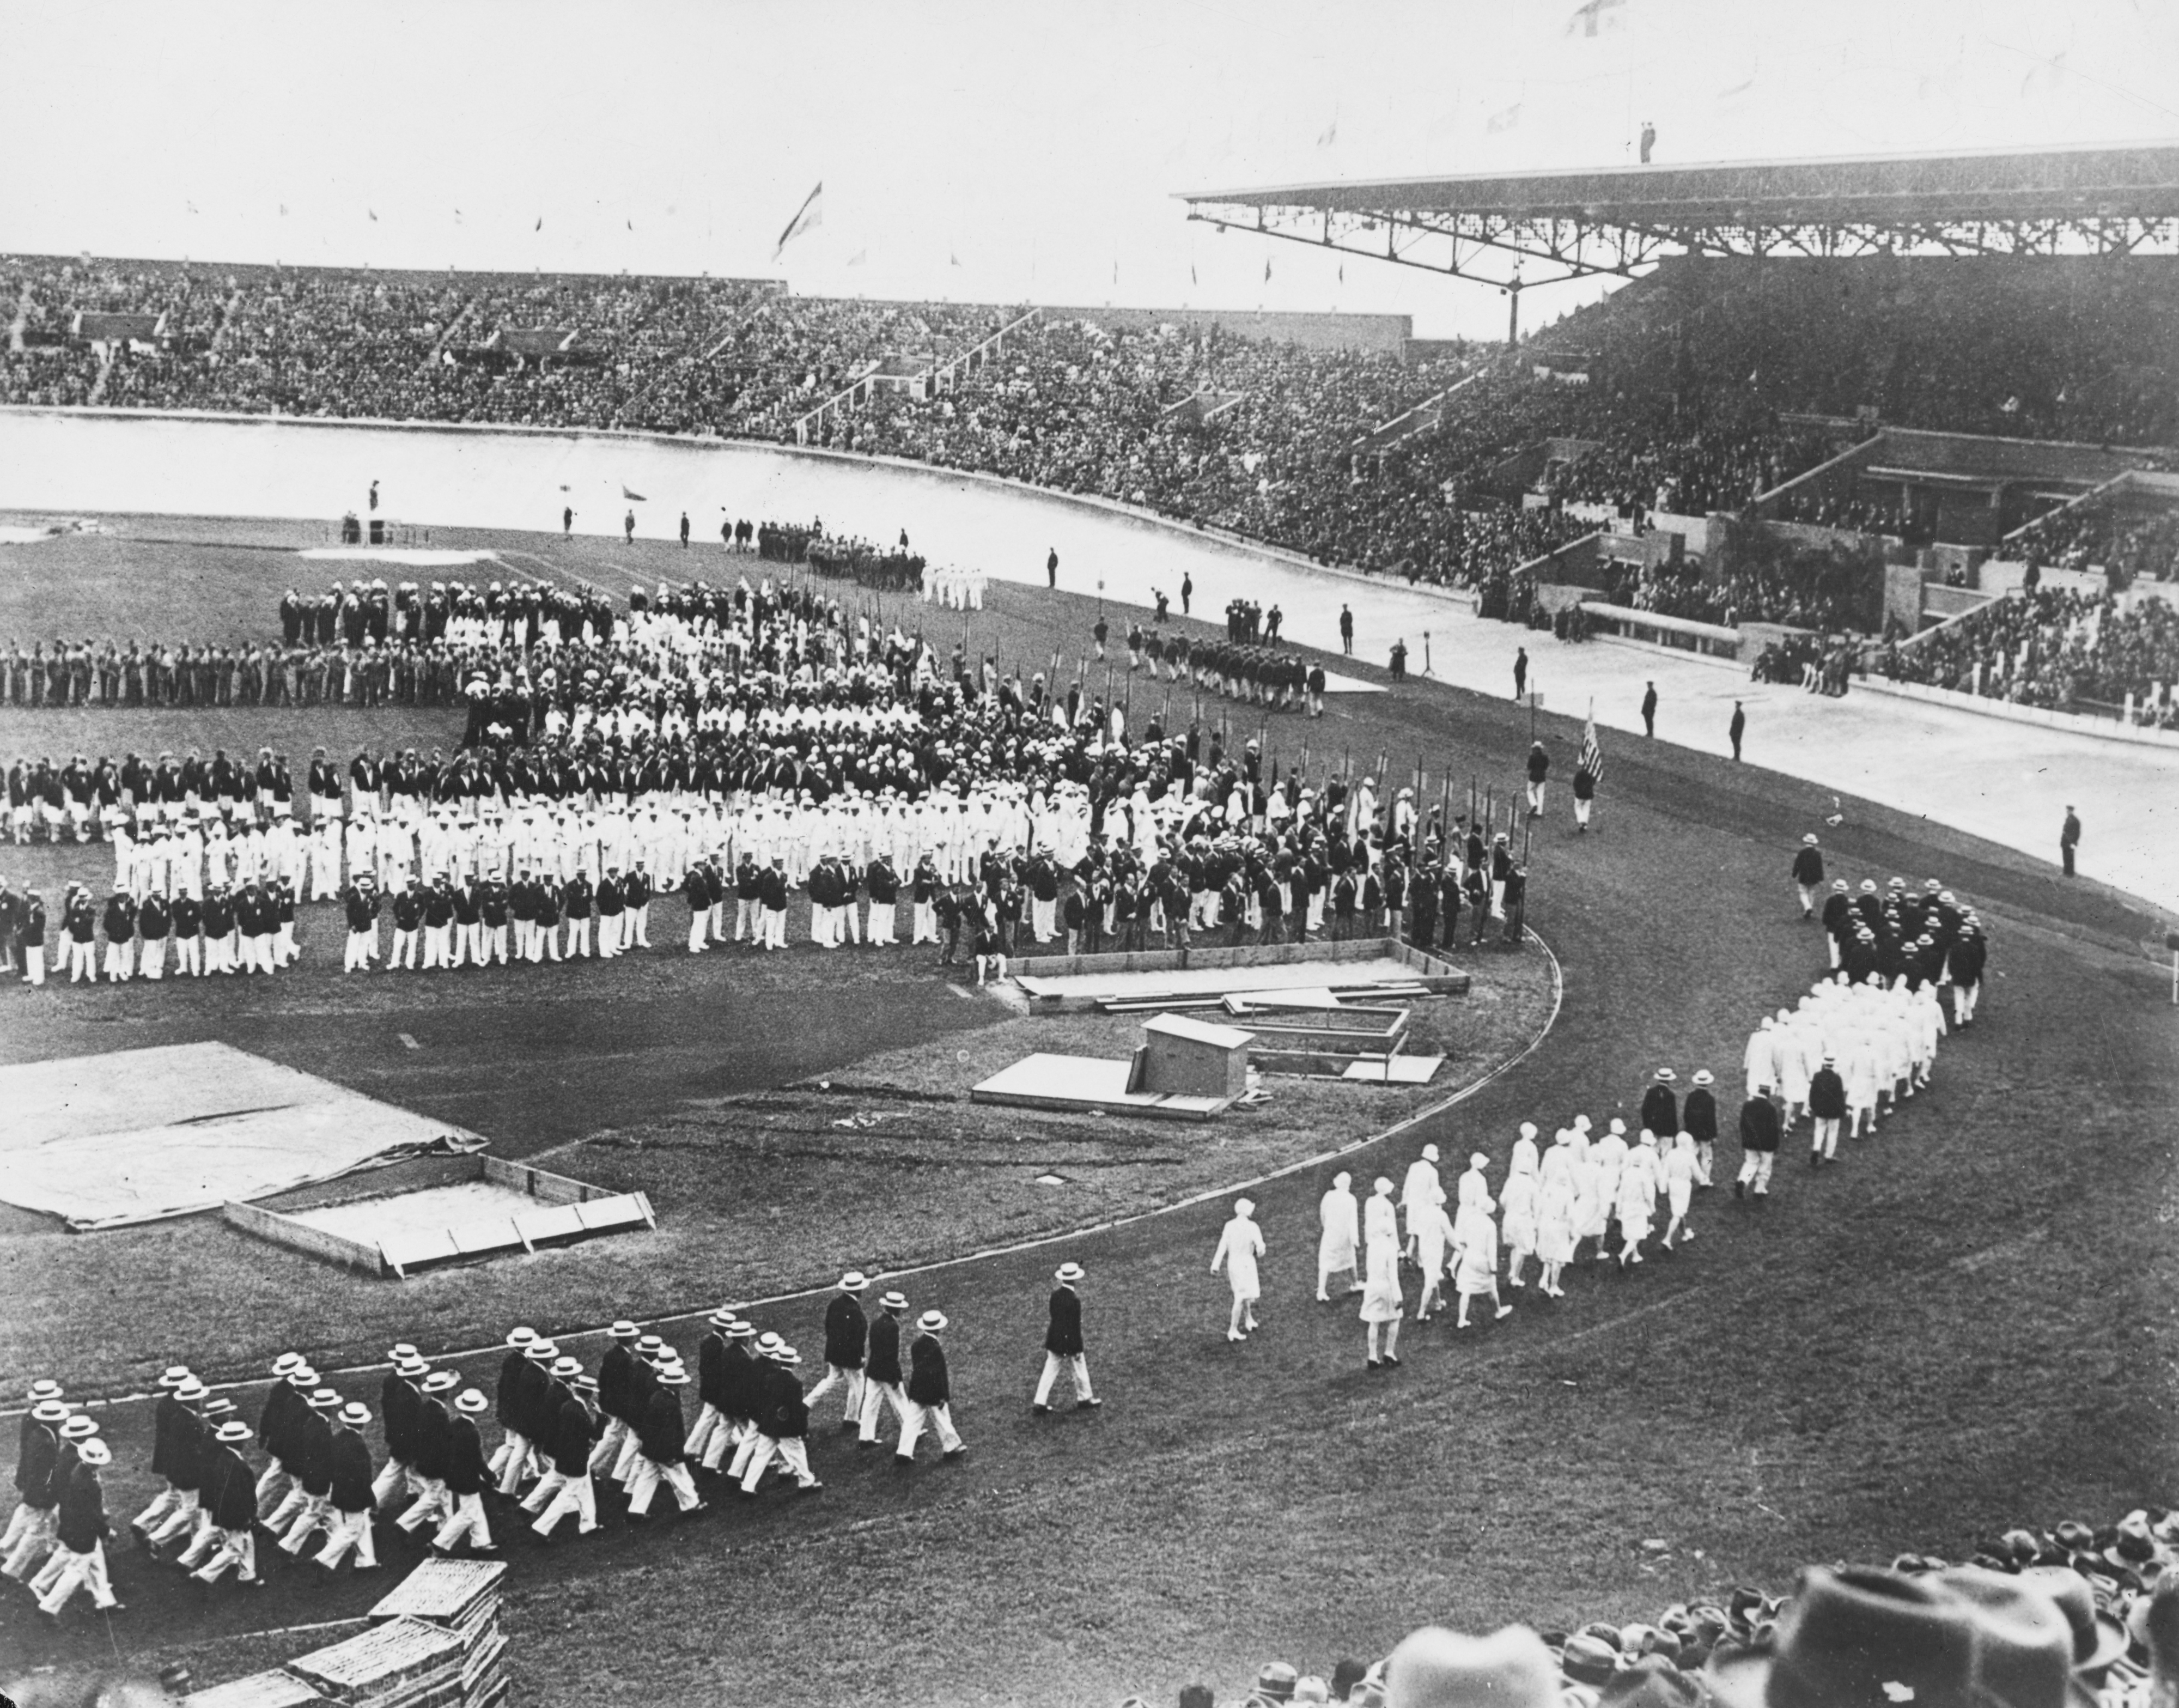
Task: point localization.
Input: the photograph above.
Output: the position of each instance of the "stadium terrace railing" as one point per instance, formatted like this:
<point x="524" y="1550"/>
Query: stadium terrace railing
<point x="939" y="376"/>
<point x="1683" y="634"/>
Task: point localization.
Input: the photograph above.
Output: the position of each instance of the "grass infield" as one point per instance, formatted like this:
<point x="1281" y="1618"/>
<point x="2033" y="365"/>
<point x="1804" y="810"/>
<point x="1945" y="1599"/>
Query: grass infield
<point x="1964" y="1325"/>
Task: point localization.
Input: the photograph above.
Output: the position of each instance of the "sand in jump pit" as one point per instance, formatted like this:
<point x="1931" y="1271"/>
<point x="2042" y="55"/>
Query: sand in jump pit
<point x="370" y="1220"/>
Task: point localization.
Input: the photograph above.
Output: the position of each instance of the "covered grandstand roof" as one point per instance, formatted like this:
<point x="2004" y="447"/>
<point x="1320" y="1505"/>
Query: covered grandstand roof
<point x="1997" y="184"/>
<point x="2103" y="198"/>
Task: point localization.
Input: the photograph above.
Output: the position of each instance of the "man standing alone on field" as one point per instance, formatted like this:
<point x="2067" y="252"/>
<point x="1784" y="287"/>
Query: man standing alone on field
<point x="1520" y="672"/>
<point x="2069" y="838"/>
<point x="1052" y="567"/>
<point x="1346" y="631"/>
<point x="1649" y="710"/>
<point x="1063" y="1344"/>
<point x="1809" y="874"/>
<point x="1737" y="727"/>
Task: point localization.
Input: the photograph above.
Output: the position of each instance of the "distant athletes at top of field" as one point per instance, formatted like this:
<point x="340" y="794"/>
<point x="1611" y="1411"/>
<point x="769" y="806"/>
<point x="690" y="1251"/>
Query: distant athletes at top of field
<point x="365" y="643"/>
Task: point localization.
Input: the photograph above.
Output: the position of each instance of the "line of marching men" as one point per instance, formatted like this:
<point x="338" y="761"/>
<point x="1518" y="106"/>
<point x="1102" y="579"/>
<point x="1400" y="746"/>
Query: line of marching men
<point x="562" y="1430"/>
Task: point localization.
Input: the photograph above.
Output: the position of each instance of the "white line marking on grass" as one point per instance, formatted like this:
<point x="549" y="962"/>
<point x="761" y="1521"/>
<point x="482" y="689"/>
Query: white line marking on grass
<point x="992" y="1253"/>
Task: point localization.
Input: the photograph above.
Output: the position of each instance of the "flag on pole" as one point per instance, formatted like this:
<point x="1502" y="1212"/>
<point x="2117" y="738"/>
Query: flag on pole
<point x="1595" y="17"/>
<point x="1592" y="755"/>
<point x="810" y="214"/>
<point x="633" y="497"/>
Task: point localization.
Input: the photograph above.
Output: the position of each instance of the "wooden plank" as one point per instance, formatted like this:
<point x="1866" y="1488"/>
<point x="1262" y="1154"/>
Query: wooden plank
<point x="486" y="1235"/>
<point x="409" y="1250"/>
<point x="603" y="1215"/>
<point x="300" y="1236"/>
<point x="555" y="1222"/>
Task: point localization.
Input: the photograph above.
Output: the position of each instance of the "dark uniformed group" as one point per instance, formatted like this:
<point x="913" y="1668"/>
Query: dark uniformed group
<point x="563" y="1433"/>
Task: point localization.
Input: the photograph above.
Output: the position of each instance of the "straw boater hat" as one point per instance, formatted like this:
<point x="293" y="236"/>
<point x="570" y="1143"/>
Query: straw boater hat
<point x="930" y="1322"/>
<point x="853" y="1281"/>
<point x="174" y="1375"/>
<point x="233" y="1431"/>
<point x="566" y="1368"/>
<point x="894" y="1301"/>
<point x="520" y="1336"/>
<point x="472" y="1402"/>
<point x="355" y="1415"/>
<point x="440" y="1381"/>
<point x="623" y="1330"/>
<point x="1067" y="1274"/>
<point x="94" y="1452"/>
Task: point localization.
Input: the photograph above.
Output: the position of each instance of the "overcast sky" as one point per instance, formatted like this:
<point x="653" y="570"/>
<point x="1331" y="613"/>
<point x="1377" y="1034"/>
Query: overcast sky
<point x="984" y="151"/>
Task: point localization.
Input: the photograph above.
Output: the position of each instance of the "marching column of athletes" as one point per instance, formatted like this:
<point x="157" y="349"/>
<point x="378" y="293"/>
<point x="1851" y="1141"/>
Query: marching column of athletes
<point x="563" y="1434"/>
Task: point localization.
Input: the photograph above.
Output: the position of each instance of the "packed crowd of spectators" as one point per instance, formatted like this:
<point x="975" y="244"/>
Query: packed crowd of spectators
<point x="1670" y="395"/>
<point x="2085" y="1617"/>
<point x="2125" y="546"/>
<point x="2053" y="648"/>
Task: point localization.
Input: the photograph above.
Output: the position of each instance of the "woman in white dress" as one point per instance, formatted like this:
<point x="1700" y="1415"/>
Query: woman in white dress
<point x="1239" y="1247"/>
<point x="1381" y="1304"/>
<point x="1680" y="1187"/>
<point x="1339" y="1242"/>
<point x="1638" y="1198"/>
<point x="1517" y="1208"/>
<point x="1476" y="1272"/>
<point x="1433" y="1242"/>
<point x="1557" y="1197"/>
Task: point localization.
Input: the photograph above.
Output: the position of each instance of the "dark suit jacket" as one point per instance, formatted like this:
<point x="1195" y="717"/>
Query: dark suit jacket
<point x="1064" y="1337"/>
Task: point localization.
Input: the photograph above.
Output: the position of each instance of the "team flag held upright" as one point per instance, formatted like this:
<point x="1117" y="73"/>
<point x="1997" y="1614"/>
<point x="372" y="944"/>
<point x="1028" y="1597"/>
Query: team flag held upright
<point x="810" y="215"/>
<point x="1592" y="755"/>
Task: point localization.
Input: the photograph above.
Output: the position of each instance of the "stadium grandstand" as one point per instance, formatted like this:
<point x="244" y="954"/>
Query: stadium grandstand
<point x="1892" y="369"/>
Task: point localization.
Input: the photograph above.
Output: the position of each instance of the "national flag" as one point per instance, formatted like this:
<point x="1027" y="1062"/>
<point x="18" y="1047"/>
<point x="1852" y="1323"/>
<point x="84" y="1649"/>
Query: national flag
<point x="1330" y="134"/>
<point x="1596" y="15"/>
<point x="373" y="212"/>
<point x="1592" y="755"/>
<point x="1506" y="118"/>
<point x="633" y="497"/>
<point x="539" y="226"/>
<point x="1192" y="278"/>
<point x="952" y="258"/>
<point x="810" y="215"/>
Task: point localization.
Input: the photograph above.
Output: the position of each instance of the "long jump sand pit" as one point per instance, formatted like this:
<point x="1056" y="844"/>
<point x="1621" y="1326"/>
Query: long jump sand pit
<point x="138" y="1135"/>
<point x="497" y="1209"/>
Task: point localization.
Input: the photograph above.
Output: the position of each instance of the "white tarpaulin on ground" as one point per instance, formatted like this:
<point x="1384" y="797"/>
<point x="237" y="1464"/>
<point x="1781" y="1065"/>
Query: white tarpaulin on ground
<point x="137" y="1136"/>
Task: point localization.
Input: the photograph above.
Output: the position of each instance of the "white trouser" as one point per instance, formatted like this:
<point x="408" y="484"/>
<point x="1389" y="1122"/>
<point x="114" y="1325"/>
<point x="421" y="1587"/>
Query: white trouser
<point x="432" y="1501"/>
<point x="404" y="952"/>
<point x="643" y="1487"/>
<point x="349" y="1530"/>
<point x="564" y="1495"/>
<point x="775" y="928"/>
<point x="834" y="1376"/>
<point x="77" y="1570"/>
<point x="1826" y="1135"/>
<point x="34" y="964"/>
<point x="511" y="1461"/>
<point x="153" y="961"/>
<point x="437" y="946"/>
<point x="698" y="919"/>
<point x="924" y="928"/>
<point x="711" y="1424"/>
<point x="1755" y="1170"/>
<point x="31" y="1533"/>
<point x="393" y="1475"/>
<point x="360" y="946"/>
<point x="791" y="1453"/>
<point x="120" y="960"/>
<point x="916" y="1417"/>
<point x="876" y="1395"/>
<point x="611" y="1447"/>
<point x="312" y="1514"/>
<point x="1078" y="1365"/>
<point x="237" y="1548"/>
<point x="609" y="935"/>
<point x="882" y="922"/>
<point x="466" y="1520"/>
